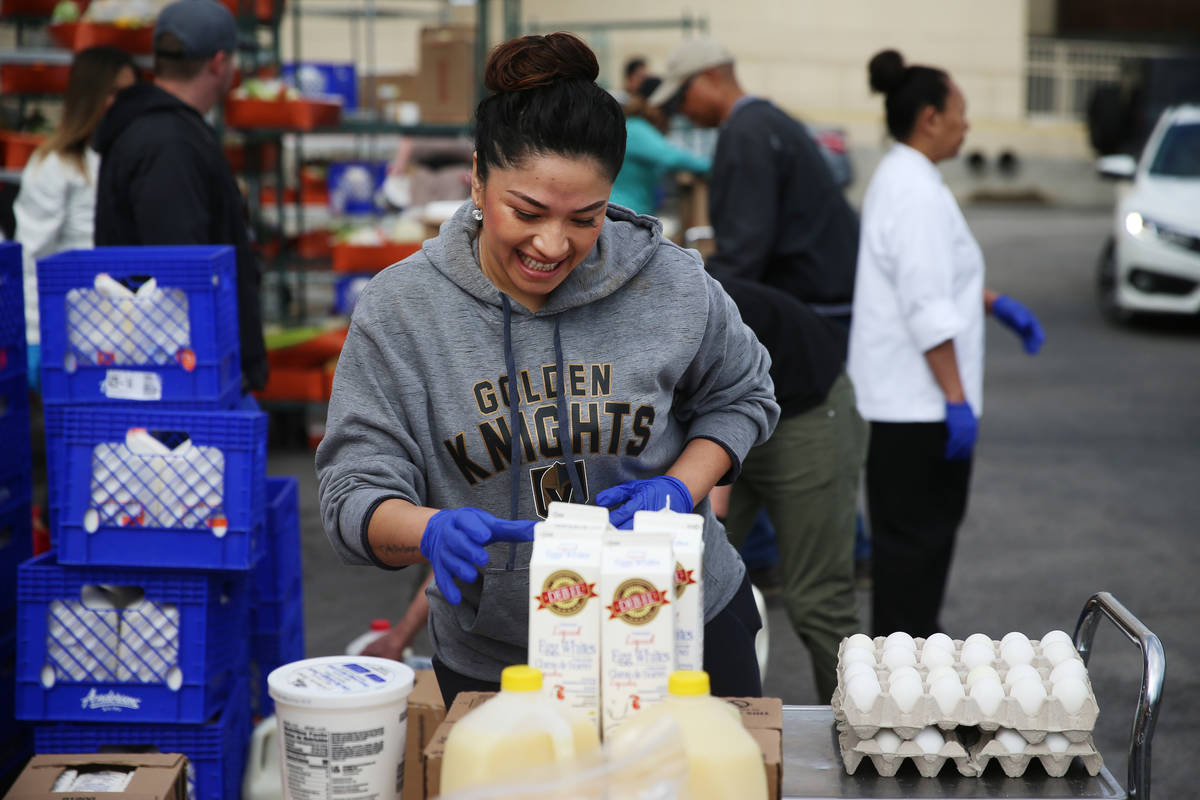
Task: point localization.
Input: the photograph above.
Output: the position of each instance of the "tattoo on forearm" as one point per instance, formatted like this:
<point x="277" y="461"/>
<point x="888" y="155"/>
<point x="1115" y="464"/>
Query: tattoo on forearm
<point x="397" y="549"/>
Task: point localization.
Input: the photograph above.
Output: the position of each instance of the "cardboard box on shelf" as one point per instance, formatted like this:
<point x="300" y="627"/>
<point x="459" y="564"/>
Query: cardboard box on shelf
<point x="425" y="713"/>
<point x="155" y="776"/>
<point x="385" y="92"/>
<point x="762" y="716"/>
<point x="446" y="82"/>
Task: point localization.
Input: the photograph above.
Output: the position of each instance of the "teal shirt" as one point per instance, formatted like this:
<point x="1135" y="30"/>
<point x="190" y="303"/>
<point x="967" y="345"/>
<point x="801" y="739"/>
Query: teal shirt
<point x="649" y="156"/>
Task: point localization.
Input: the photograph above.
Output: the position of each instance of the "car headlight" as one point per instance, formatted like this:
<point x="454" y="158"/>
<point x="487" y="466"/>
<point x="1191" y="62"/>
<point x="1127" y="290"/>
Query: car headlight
<point x="1144" y="228"/>
<point x="1134" y="223"/>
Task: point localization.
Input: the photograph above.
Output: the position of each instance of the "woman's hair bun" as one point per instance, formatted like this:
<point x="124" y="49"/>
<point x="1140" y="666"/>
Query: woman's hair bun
<point x="533" y="61"/>
<point x="886" y="71"/>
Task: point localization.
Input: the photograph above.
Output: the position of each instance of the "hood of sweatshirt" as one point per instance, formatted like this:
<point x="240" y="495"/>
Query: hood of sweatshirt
<point x="131" y="103"/>
<point x="626" y="244"/>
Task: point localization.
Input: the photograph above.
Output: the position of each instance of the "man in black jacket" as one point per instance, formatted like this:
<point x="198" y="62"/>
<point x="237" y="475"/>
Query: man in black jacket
<point x="787" y="242"/>
<point x="163" y="176"/>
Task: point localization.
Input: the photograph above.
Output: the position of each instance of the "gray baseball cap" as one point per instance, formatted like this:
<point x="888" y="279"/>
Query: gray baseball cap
<point x="204" y="26"/>
<point x="692" y="57"/>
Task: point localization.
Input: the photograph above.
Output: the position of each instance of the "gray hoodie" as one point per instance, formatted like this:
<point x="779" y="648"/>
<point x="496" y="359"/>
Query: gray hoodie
<point x="651" y="352"/>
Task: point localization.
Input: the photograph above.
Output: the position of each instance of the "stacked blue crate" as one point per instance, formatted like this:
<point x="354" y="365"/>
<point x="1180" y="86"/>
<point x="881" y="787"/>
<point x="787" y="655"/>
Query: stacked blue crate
<point x="16" y="529"/>
<point x="135" y="630"/>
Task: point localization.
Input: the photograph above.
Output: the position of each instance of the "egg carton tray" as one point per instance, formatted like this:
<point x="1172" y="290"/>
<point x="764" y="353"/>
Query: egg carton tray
<point x="1056" y="764"/>
<point x="885" y="712"/>
<point x="855" y="750"/>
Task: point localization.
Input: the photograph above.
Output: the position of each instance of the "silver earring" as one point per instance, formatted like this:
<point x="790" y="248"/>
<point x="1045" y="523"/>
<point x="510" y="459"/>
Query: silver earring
<point x="478" y="215"/>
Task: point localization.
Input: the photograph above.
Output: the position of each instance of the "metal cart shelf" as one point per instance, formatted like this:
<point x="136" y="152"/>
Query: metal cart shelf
<point x="812" y="765"/>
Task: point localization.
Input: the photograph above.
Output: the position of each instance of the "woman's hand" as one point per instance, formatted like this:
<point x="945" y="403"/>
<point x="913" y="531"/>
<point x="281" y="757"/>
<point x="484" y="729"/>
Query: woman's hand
<point x="652" y="494"/>
<point x="454" y="542"/>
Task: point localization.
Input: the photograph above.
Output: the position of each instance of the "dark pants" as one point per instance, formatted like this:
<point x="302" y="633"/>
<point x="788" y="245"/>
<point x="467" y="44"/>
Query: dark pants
<point x="916" y="500"/>
<point x="729" y="657"/>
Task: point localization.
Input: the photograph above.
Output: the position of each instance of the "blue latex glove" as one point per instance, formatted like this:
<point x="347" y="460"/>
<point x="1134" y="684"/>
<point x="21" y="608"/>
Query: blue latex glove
<point x="33" y="365"/>
<point x="454" y="539"/>
<point x="962" y="429"/>
<point x="648" y="495"/>
<point x="1021" y="321"/>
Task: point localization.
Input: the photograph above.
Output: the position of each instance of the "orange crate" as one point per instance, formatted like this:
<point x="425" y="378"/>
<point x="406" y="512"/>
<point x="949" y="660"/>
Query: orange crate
<point x="263" y="10"/>
<point x="82" y="35"/>
<point x="18" y="147"/>
<point x="300" y="114"/>
<point x="48" y="78"/>
<point x="309" y="196"/>
<point x="33" y="8"/>
<point x="320" y="349"/>
<point x="235" y="153"/>
<point x="303" y="384"/>
<point x="370" y="258"/>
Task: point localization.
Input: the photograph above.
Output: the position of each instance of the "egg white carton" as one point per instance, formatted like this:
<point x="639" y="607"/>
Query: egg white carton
<point x="887" y="758"/>
<point x="1001" y="709"/>
<point x="1056" y="757"/>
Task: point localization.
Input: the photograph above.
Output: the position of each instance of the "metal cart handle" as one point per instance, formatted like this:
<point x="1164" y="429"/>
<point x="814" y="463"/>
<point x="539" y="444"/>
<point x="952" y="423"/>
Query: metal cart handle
<point x="1154" y="666"/>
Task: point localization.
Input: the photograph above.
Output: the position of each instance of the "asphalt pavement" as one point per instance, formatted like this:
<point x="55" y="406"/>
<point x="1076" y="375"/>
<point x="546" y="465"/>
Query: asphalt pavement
<point x="1086" y="479"/>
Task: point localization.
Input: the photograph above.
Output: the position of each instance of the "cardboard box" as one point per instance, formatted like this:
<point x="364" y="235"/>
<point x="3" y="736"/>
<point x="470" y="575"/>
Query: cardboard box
<point x="762" y="716"/>
<point x="425" y="713"/>
<point x="446" y="86"/>
<point x="157" y="776"/>
<point x="385" y="91"/>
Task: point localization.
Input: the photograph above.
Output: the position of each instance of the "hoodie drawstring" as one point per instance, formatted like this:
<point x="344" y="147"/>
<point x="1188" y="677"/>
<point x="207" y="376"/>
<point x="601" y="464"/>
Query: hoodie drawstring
<point x="564" y="430"/>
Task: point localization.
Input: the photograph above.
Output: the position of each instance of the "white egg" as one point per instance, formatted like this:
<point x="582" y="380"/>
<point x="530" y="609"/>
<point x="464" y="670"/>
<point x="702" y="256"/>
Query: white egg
<point x="1029" y="693"/>
<point x="1056" y="636"/>
<point x="853" y="670"/>
<point x="1014" y="636"/>
<point x="1010" y="740"/>
<point x="978" y="638"/>
<point x="856" y="655"/>
<point x="930" y="740"/>
<point x="947" y="691"/>
<point x="1021" y="672"/>
<point x="980" y="672"/>
<point x="906" y="691"/>
<point x="904" y="673"/>
<point x="1058" y="652"/>
<point x="888" y="741"/>
<point x="936" y="656"/>
<point x="941" y="641"/>
<point x="1057" y="743"/>
<point x="898" y="656"/>
<point x="988" y="693"/>
<point x="1072" y="693"/>
<point x="1017" y="651"/>
<point x="1071" y="668"/>
<point x="938" y="671"/>
<point x="860" y="641"/>
<point x="975" y="653"/>
<point x="899" y="638"/>
<point x="863" y="691"/>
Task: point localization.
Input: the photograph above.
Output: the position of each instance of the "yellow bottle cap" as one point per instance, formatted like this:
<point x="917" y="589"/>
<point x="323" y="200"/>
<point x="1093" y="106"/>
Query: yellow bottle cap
<point x="521" y="678"/>
<point x="688" y="683"/>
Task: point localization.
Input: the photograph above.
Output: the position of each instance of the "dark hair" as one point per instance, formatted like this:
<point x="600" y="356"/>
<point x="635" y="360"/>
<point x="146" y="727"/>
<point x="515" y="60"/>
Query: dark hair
<point x="647" y="86"/>
<point x="91" y="81"/>
<point x="544" y="101"/>
<point x="170" y="61"/>
<point x="633" y="65"/>
<point x="907" y="90"/>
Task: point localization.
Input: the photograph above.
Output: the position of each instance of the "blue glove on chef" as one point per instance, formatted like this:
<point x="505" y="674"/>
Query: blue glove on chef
<point x="651" y="494"/>
<point x="454" y="539"/>
<point x="1021" y="321"/>
<point x="961" y="431"/>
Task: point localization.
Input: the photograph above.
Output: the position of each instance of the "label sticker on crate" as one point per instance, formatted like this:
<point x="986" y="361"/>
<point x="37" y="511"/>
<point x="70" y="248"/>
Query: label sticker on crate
<point x="124" y="384"/>
<point x="112" y="325"/>
<point x="145" y="482"/>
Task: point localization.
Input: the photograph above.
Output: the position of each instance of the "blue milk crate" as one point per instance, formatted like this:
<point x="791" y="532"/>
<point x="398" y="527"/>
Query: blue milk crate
<point x="176" y="344"/>
<point x="12" y="310"/>
<point x="276" y="582"/>
<point x="127" y="645"/>
<point x="16" y="546"/>
<point x="270" y="650"/>
<point x="216" y="751"/>
<point x="150" y="488"/>
<point x="16" y="465"/>
<point x="8" y="681"/>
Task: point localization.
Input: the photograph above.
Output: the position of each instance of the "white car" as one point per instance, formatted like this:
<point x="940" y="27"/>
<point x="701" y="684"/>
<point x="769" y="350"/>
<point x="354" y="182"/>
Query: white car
<point x="1152" y="262"/>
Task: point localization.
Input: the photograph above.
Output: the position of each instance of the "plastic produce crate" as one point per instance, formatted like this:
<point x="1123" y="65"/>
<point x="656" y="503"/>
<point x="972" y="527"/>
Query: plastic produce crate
<point x="216" y="751"/>
<point x="82" y="35"/>
<point x="123" y="340"/>
<point x="12" y="311"/>
<point x="127" y="645"/>
<point x="134" y="487"/>
<point x="276" y="581"/>
<point x="16" y="547"/>
<point x="34" y="78"/>
<point x="270" y="650"/>
<point x="18" y="147"/>
<point x="15" y="469"/>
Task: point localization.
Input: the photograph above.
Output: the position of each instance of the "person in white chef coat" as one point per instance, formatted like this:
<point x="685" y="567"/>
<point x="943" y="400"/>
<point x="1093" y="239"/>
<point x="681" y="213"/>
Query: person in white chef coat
<point x="916" y="346"/>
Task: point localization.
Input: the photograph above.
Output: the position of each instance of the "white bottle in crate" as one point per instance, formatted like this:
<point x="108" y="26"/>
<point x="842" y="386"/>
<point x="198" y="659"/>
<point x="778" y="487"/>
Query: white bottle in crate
<point x="378" y="628"/>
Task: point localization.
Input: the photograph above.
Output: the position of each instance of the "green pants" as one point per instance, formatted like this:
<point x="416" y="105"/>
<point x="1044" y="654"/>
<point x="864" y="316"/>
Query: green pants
<point x="807" y="476"/>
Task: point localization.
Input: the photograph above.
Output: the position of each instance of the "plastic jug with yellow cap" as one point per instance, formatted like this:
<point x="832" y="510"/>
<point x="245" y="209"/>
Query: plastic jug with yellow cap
<point x="724" y="761"/>
<point x="518" y="730"/>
